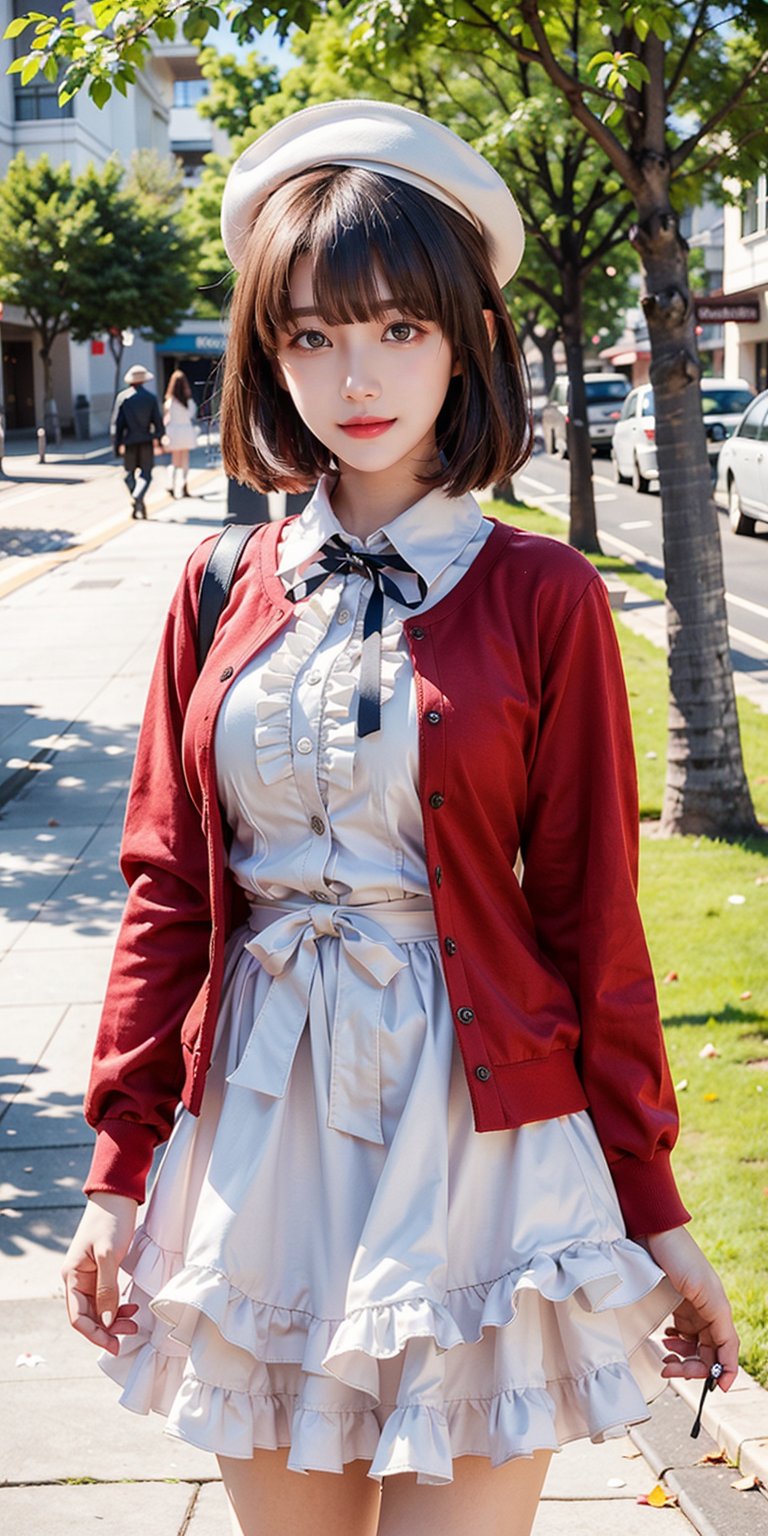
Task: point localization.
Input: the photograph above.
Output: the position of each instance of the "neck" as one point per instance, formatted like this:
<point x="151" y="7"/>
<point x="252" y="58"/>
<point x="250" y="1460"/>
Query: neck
<point x="364" y="502"/>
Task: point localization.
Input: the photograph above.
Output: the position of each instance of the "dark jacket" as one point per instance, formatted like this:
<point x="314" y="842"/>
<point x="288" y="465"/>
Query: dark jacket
<point x="136" y="417"/>
<point x="524" y="746"/>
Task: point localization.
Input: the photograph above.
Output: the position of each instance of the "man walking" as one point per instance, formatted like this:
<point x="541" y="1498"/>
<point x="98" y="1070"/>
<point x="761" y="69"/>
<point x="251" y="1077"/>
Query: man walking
<point x="136" y="426"/>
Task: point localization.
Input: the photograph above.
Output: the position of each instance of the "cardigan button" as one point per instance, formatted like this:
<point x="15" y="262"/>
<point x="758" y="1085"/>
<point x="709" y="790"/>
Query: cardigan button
<point x="418" y="634"/>
<point x="434" y="717"/>
<point x="436" y="801"/>
<point x="228" y="672"/>
<point x="483" y="1073"/>
<point x="465" y="1015"/>
<point x="451" y="946"/>
<point x="438" y="874"/>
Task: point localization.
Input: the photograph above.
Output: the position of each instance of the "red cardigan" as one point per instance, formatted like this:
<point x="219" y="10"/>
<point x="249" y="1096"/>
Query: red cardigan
<point x="525" y="746"/>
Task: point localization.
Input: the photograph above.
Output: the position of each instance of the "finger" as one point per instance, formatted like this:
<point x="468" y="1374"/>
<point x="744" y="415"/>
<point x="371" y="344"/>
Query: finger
<point x="81" y="1316"/>
<point x="107" y="1293"/>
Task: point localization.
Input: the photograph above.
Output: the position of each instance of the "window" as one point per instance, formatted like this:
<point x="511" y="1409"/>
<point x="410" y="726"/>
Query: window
<point x="187" y="93"/>
<point x="750" y="426"/>
<point x="649" y="408"/>
<point x="724" y="401"/>
<point x="39" y="100"/>
<point x="628" y="408"/>
<point x="608" y="389"/>
<point x="754" y="214"/>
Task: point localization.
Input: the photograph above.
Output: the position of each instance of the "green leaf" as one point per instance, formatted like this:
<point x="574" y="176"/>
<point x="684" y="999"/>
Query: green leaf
<point x="51" y="71"/>
<point x="31" y="67"/>
<point x="604" y="57"/>
<point x="120" y="84"/>
<point x="16" y="27"/>
<point x="165" y="27"/>
<point x="17" y="66"/>
<point x="100" y="91"/>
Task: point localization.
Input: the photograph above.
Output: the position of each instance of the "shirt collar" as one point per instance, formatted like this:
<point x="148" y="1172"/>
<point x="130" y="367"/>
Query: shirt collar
<point x="430" y="535"/>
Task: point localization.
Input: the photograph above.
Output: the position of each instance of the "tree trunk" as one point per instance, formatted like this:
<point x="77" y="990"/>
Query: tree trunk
<point x="583" y="525"/>
<point x="116" y="347"/>
<point x="50" y="408"/>
<point x="545" y="342"/>
<point x="706" y="789"/>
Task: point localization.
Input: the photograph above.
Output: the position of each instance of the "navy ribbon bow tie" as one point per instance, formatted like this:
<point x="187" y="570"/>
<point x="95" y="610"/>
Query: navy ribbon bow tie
<point x="336" y="558"/>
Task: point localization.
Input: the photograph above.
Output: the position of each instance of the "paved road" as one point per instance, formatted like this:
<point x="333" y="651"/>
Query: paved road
<point x="630" y="524"/>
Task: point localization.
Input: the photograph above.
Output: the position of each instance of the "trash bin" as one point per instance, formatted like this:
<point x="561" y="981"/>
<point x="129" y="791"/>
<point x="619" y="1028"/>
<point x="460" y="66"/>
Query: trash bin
<point x="82" y="417"/>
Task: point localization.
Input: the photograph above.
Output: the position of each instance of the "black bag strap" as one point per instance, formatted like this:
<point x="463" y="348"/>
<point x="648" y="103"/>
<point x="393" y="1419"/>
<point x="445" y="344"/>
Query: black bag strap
<point x="217" y="579"/>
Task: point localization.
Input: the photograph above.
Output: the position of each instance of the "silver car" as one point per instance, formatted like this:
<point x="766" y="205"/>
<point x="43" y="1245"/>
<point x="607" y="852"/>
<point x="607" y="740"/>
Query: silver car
<point x="742" y="469"/>
<point x="605" y="393"/>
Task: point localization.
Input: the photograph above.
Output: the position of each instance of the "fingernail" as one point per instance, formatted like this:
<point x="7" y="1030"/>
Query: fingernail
<point x="106" y="1318"/>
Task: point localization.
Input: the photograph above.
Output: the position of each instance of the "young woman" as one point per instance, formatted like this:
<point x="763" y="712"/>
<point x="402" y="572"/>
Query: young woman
<point x="416" y="1217"/>
<point x="179" y="415"/>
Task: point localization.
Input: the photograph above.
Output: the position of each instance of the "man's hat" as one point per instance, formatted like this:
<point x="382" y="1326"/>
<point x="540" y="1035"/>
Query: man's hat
<point x="378" y="136"/>
<point x="137" y="374"/>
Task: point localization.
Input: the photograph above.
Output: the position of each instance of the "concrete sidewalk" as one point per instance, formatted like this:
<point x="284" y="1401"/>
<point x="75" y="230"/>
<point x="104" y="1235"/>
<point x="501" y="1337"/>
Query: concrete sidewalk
<point x="75" y="649"/>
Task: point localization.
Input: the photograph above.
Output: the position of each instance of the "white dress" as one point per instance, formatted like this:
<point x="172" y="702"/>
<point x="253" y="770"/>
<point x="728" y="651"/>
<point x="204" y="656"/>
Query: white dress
<point x="332" y="1259"/>
<point x="179" y="420"/>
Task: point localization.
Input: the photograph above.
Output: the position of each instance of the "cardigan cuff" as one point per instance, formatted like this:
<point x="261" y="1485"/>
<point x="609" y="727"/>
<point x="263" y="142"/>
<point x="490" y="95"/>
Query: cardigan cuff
<point x="648" y="1194"/>
<point x="122" y="1158"/>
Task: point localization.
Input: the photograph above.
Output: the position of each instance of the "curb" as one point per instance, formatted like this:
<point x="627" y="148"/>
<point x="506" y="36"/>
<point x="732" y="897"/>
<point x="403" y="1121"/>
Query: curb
<point x="737" y="1425"/>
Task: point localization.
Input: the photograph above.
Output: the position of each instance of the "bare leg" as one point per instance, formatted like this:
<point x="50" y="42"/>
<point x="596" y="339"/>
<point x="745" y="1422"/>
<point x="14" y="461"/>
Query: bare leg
<point x="266" y="1499"/>
<point x="492" y="1501"/>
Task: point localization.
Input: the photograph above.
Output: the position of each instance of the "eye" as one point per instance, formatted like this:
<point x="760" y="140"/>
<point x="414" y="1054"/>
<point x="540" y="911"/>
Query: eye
<point x="404" y="330"/>
<point x="310" y="341"/>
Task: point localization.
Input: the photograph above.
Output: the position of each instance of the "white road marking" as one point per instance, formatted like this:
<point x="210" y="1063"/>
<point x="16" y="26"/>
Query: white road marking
<point x="750" y="607"/>
<point x="538" y="485"/>
<point x="629" y="549"/>
<point x="739" y="634"/>
<point x="629" y="526"/>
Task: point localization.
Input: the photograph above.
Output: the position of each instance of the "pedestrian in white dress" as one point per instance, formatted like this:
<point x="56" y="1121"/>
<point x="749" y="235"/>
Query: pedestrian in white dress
<point x="179" y="417"/>
<point x="416" y="1218"/>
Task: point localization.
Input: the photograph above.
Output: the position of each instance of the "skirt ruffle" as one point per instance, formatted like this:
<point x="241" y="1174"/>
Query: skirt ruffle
<point x="442" y="1295"/>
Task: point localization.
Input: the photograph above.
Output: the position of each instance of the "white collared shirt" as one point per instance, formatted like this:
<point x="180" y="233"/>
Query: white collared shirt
<point x="314" y="809"/>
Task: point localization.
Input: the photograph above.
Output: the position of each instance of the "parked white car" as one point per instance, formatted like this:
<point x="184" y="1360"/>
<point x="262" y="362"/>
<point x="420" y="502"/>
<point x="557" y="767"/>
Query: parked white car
<point x="605" y="393"/>
<point x="633" y="447"/>
<point x="742" y="469"/>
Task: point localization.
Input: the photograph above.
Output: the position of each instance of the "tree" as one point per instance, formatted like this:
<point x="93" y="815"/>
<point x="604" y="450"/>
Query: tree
<point x="674" y="98"/>
<point x="49" y="227"/>
<point x="144" y="277"/>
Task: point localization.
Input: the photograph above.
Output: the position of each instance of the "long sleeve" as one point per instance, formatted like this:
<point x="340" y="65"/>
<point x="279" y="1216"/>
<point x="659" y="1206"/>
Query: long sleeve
<point x="161" y="957"/>
<point x="580" y="847"/>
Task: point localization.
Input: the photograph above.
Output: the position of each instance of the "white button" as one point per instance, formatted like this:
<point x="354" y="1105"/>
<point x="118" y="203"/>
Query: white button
<point x="304" y="744"/>
<point x="314" y="677"/>
<point x="343" y="616"/>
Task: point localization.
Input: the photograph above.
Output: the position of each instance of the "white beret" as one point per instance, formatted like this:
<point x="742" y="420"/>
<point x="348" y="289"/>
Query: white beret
<point x="378" y="136"/>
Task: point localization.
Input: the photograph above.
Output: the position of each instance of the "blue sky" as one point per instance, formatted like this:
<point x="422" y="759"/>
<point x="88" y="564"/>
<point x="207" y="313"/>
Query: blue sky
<point x="268" y="45"/>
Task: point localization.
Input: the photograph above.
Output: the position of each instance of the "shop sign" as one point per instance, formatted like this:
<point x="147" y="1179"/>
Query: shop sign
<point x="715" y="311"/>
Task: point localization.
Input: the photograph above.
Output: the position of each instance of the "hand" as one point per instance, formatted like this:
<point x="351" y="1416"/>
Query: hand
<point x="121" y="451"/>
<point x="703" y="1324"/>
<point x="90" y="1270"/>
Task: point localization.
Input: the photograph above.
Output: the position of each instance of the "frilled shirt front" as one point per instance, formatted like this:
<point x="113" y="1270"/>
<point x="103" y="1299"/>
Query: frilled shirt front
<point x="314" y="808"/>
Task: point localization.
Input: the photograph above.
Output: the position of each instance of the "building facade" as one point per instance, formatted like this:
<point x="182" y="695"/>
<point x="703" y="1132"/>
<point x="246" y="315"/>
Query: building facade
<point x="745" y="282"/>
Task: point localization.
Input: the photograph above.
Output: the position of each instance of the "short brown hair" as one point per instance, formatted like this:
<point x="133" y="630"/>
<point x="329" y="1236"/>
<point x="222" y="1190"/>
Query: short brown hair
<point x="353" y="223"/>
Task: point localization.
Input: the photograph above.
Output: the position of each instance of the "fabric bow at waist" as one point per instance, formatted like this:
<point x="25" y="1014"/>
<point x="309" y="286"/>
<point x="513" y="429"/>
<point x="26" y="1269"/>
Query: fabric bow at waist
<point x="285" y="944"/>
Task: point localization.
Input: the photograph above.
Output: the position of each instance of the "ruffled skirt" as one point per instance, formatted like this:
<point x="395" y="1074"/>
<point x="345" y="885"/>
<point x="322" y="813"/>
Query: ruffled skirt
<point x="407" y="1295"/>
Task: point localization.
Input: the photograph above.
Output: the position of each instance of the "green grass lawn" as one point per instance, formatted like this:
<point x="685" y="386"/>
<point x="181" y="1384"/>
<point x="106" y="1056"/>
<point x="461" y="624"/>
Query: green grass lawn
<point x="709" y="958"/>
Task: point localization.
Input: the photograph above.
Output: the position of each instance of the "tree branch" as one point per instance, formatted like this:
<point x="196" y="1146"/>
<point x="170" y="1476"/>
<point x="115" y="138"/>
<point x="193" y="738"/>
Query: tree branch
<point x="683" y="150"/>
<point x="691" y="41"/>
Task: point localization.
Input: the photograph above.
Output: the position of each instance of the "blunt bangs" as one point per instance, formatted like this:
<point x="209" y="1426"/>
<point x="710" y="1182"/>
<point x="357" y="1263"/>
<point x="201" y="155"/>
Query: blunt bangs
<point x="362" y="230"/>
<point x="373" y="242"/>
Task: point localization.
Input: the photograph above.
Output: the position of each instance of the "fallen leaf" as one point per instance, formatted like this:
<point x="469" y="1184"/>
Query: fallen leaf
<point x="743" y="996"/>
<point x="745" y="1483"/>
<point x="29" y="1360"/>
<point x="52" y="822"/>
<point x="651" y="756"/>
<point x="711" y="1456"/>
<point x="631" y="1454"/>
<point x="682" y="1085"/>
<point x="737" y="901"/>
<point x="616" y="1482"/>
<point x="710" y="1098"/>
<point x="761" y="879"/>
<point x="658" y="1498"/>
<point x="671" y="976"/>
<point x="709" y="1050"/>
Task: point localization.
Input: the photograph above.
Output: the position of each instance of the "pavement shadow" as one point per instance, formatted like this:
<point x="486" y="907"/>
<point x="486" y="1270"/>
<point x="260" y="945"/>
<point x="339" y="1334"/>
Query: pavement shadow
<point x="34" y="541"/>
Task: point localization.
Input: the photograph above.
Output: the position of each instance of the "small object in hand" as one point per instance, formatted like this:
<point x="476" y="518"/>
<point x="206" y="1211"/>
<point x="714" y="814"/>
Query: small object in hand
<point x="715" y="1372"/>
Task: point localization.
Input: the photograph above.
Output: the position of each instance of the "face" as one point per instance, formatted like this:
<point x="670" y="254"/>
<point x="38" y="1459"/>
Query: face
<point x="371" y="391"/>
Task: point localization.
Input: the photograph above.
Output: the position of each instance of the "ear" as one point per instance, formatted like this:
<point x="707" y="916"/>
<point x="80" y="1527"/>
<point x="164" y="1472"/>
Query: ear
<point x="490" y="325"/>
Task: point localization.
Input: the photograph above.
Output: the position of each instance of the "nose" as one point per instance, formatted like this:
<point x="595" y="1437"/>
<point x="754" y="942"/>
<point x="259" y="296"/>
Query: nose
<point x="360" y="381"/>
